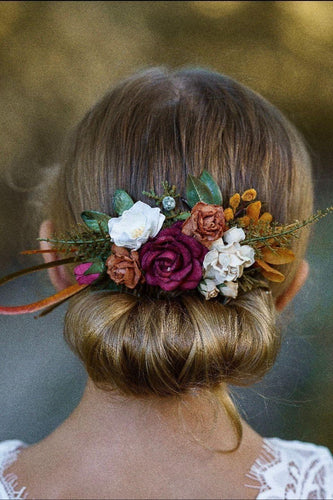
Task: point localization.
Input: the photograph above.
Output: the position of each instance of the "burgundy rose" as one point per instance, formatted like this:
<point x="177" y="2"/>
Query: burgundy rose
<point x="173" y="260"/>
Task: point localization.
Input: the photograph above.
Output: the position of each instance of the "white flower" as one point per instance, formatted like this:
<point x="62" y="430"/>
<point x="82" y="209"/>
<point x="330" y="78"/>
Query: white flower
<point x="208" y="289"/>
<point x="227" y="259"/>
<point x="136" y="225"/>
<point x="229" y="289"/>
<point x="234" y="235"/>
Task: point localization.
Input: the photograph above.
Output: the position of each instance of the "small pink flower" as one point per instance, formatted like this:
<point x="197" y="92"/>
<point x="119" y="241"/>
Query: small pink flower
<point x="80" y="276"/>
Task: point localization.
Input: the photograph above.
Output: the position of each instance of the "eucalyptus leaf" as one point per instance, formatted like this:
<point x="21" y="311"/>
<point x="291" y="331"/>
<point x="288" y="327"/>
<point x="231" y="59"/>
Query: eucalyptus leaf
<point x="122" y="201"/>
<point x="96" y="221"/>
<point x="208" y="180"/>
<point x="97" y="267"/>
<point x="197" y="191"/>
<point x="183" y="216"/>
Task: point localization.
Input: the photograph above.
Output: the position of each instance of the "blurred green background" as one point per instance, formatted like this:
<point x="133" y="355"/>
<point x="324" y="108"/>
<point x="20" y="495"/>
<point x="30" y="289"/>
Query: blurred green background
<point x="56" y="60"/>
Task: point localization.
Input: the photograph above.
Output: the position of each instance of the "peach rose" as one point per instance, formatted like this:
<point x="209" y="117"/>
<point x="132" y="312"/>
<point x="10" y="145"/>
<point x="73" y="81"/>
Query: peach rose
<point x="123" y="267"/>
<point x="206" y="223"/>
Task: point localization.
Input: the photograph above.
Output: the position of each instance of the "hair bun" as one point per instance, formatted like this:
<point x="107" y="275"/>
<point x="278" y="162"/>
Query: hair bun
<point x="169" y="346"/>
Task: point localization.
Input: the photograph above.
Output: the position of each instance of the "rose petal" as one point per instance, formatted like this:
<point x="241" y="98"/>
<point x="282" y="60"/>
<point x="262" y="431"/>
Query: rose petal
<point x="194" y="277"/>
<point x="230" y="290"/>
<point x="196" y="249"/>
<point x="169" y="255"/>
<point x="169" y="285"/>
<point x="163" y="268"/>
<point x="183" y="273"/>
<point x="147" y="258"/>
<point x="82" y="268"/>
<point x="233" y="235"/>
<point x="185" y="254"/>
<point x="157" y="222"/>
<point x="119" y="251"/>
<point x="83" y="279"/>
<point x="86" y="280"/>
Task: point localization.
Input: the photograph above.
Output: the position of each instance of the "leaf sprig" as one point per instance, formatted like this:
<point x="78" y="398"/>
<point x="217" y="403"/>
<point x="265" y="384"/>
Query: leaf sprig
<point x="82" y="243"/>
<point x="168" y="190"/>
<point x="171" y="215"/>
<point x="272" y="234"/>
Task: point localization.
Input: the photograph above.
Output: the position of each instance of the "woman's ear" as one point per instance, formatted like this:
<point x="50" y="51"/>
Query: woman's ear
<point x="295" y="286"/>
<point x="58" y="275"/>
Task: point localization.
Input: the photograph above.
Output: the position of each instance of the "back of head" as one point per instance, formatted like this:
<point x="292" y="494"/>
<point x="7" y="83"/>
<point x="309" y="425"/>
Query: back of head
<point x="157" y="126"/>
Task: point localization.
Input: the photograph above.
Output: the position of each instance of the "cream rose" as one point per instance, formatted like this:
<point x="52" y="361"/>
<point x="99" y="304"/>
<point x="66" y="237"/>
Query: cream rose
<point x="135" y="226"/>
<point x="227" y="258"/>
<point x="208" y="289"/>
<point x="229" y="289"/>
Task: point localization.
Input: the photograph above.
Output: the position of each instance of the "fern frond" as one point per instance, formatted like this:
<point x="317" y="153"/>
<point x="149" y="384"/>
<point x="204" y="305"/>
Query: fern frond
<point x="84" y="243"/>
<point x="279" y="234"/>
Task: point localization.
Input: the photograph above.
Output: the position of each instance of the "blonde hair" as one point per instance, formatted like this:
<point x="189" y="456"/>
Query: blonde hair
<point x="159" y="125"/>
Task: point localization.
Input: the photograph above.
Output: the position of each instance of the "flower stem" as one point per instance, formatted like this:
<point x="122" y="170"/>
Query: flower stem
<point x="73" y="242"/>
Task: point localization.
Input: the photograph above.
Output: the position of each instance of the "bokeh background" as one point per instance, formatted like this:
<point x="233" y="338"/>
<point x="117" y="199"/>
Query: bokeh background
<point x="56" y="60"/>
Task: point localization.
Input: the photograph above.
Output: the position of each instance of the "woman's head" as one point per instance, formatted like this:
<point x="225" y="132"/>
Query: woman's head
<point x="157" y="126"/>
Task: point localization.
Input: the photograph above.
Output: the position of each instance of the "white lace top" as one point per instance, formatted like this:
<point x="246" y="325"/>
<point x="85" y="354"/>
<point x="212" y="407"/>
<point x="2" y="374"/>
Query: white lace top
<point x="285" y="470"/>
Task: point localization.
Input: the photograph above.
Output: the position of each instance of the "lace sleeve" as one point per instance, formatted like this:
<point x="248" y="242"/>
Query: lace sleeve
<point x="9" y="451"/>
<point x="293" y="470"/>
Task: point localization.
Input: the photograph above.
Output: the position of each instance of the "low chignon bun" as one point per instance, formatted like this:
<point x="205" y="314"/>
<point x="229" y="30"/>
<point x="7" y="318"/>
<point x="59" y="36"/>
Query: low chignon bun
<point x="169" y="346"/>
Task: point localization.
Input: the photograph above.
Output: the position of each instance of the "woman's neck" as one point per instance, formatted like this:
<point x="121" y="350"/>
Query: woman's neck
<point x="134" y="445"/>
<point x="109" y="417"/>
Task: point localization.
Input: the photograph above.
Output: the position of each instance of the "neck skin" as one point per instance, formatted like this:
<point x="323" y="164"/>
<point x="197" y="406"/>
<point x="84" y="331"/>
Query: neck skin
<point x="110" y="425"/>
<point x="148" y="441"/>
<point x="110" y="416"/>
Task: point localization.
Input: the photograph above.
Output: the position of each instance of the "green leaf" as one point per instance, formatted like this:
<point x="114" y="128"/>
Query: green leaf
<point x="97" y="267"/>
<point x="112" y="286"/>
<point x="97" y="221"/>
<point x="122" y="201"/>
<point x="182" y="216"/>
<point x="208" y="180"/>
<point x="197" y="191"/>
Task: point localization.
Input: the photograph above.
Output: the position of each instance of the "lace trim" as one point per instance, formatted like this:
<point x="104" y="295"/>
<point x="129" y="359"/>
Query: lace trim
<point x="308" y="482"/>
<point x="268" y="458"/>
<point x="311" y="478"/>
<point x="9" y="481"/>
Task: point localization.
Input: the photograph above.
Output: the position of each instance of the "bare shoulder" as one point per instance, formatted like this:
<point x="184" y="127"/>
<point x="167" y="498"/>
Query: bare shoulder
<point x="48" y="470"/>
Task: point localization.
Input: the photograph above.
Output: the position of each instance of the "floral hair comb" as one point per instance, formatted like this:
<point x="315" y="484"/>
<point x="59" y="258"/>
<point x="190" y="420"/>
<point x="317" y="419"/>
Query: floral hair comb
<point x="164" y="251"/>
